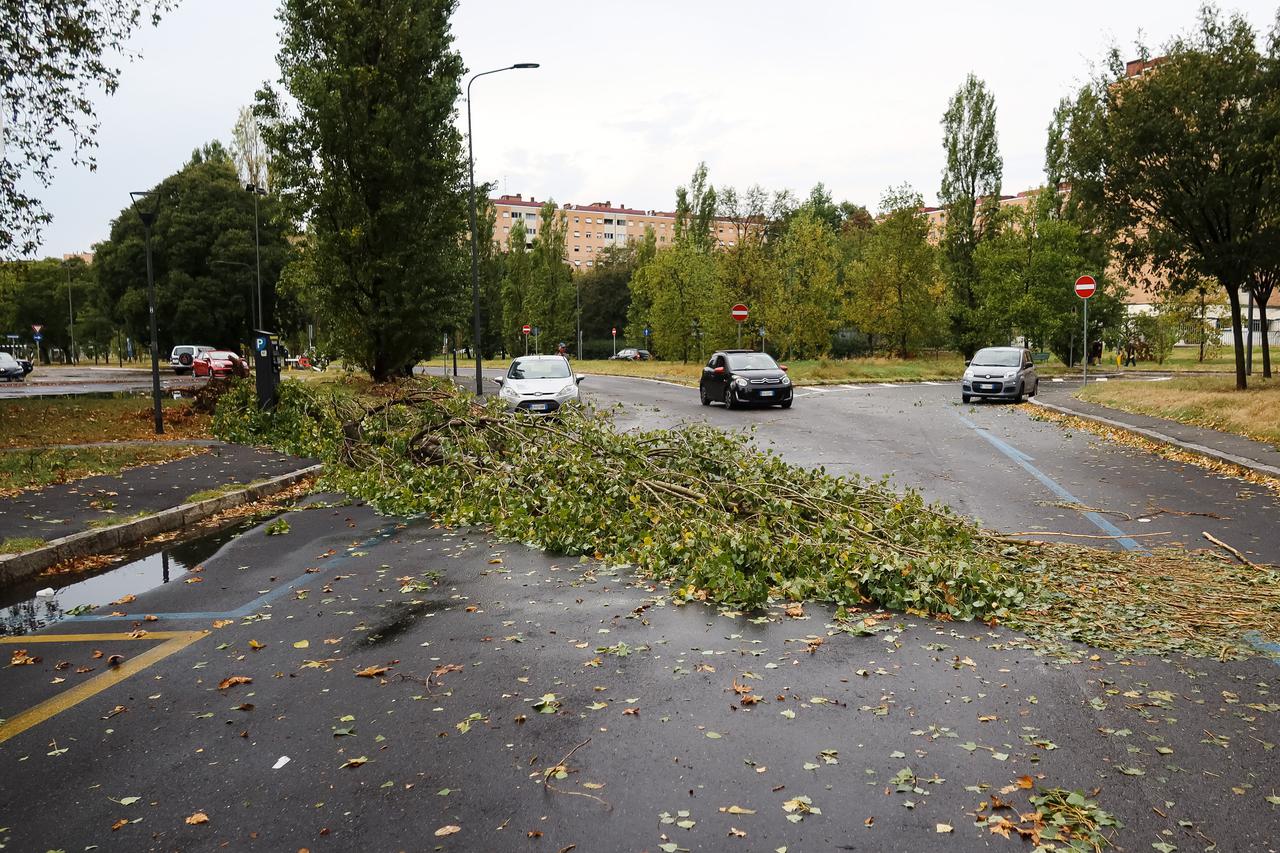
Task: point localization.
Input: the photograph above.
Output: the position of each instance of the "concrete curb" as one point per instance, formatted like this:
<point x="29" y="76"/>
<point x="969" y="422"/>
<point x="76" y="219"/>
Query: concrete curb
<point x="16" y="567"/>
<point x="1189" y="446"/>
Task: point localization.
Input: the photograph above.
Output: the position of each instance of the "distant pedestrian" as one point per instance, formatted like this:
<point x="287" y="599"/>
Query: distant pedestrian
<point x="562" y="350"/>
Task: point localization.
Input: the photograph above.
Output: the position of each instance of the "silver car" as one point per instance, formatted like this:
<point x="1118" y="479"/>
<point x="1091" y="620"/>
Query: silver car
<point x="1006" y="373"/>
<point x="541" y="384"/>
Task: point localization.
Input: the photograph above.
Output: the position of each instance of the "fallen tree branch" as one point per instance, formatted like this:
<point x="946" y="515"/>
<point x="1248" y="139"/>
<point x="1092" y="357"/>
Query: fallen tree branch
<point x="1223" y="545"/>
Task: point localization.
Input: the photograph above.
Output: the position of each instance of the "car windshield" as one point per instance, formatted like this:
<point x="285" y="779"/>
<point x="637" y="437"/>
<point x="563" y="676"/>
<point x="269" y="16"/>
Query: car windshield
<point x="7" y="359"/>
<point x="751" y="361"/>
<point x="220" y="355"/>
<point x="539" y="368"/>
<point x="997" y="358"/>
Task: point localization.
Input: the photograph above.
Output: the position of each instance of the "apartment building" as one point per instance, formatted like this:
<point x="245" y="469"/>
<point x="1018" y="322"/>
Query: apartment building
<point x="591" y="228"/>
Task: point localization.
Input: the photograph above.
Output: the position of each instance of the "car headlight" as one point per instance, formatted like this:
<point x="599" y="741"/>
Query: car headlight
<point x="740" y="382"/>
<point x="570" y="390"/>
<point x="786" y="380"/>
<point x="1011" y="374"/>
<point x="509" y="392"/>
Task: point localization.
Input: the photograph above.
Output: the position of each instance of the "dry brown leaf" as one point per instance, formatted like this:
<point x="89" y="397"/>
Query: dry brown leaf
<point x="255" y="645"/>
<point x="19" y="657"/>
<point x="197" y="819"/>
<point x="118" y="824"/>
<point x="371" y="671"/>
<point x="448" y="829"/>
<point x="124" y="599"/>
<point x="631" y="712"/>
<point x="795" y="610"/>
<point x="1025" y="782"/>
<point x="233" y="680"/>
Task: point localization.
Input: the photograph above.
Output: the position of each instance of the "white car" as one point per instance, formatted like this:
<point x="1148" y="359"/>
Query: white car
<point x="184" y="355"/>
<point x="1007" y="373"/>
<point x="539" y="383"/>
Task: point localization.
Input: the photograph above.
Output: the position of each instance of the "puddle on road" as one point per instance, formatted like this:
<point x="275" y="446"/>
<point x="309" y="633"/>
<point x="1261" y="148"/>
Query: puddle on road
<point x="22" y="611"/>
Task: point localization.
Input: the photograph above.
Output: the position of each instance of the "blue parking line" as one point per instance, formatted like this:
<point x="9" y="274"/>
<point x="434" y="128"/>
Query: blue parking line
<point x="261" y="601"/>
<point x="1024" y="461"/>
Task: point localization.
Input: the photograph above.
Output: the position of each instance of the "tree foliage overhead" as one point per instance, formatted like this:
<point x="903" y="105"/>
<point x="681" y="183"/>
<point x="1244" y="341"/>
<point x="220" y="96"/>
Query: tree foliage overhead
<point x="54" y="55"/>
<point x="372" y="161"/>
<point x="203" y="256"/>
<point x="970" y="195"/>
<point x="1179" y="161"/>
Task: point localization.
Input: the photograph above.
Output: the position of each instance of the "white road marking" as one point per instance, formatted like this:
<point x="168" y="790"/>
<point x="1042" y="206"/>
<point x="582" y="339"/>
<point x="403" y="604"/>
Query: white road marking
<point x="927" y="382"/>
<point x="852" y="387"/>
<point x="1057" y="379"/>
<point x="886" y="385"/>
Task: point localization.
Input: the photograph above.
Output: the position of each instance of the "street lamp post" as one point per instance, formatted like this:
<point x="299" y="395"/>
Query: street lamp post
<point x="475" y="248"/>
<point x="257" y="246"/>
<point x="146" y="204"/>
<point x="71" y="316"/>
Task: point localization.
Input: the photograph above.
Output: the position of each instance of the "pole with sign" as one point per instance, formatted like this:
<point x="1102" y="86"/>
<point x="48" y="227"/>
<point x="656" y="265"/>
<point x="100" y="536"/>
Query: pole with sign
<point x="614" y="332"/>
<point x="1086" y="287"/>
<point x="526" y="329"/>
<point x="739" y="315"/>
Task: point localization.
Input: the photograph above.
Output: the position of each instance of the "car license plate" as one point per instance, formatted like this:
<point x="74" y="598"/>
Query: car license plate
<point x="766" y="393"/>
<point x="988" y="386"/>
<point x="538" y="407"/>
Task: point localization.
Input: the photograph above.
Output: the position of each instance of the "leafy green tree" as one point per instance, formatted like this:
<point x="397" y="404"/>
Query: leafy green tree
<point x="490" y="268"/>
<point x="373" y="161"/>
<point x="800" y="311"/>
<point x="54" y="54"/>
<point x="517" y="284"/>
<point x="252" y="159"/>
<point x="895" y="287"/>
<point x="203" y="252"/>
<point x="551" y="298"/>
<point x="970" y="195"/>
<point x="686" y="310"/>
<point x="1179" y="160"/>
<point x="606" y="292"/>
<point x="696" y="211"/>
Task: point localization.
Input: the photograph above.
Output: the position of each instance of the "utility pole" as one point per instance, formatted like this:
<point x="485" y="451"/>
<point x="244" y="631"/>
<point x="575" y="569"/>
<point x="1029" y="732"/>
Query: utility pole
<point x="71" y="316"/>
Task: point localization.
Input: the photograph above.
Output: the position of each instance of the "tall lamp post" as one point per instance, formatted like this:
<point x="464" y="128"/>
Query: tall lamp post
<point x="71" y="315"/>
<point x="475" y="248"/>
<point x="257" y="246"/>
<point x="146" y="204"/>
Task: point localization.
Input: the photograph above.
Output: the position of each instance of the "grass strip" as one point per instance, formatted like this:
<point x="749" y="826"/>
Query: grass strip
<point x="27" y="469"/>
<point x="1211" y="402"/>
<point x="718" y="519"/>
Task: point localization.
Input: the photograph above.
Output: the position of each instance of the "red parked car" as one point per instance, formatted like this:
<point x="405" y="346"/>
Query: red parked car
<point x="219" y="364"/>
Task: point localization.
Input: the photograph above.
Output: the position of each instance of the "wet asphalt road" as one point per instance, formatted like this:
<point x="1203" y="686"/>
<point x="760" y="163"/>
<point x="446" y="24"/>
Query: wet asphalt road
<point x="88" y="379"/>
<point x="991" y="461"/>
<point x="506" y="664"/>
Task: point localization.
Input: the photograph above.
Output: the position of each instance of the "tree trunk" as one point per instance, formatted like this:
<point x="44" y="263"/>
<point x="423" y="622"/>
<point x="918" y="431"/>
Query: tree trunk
<point x="1233" y="294"/>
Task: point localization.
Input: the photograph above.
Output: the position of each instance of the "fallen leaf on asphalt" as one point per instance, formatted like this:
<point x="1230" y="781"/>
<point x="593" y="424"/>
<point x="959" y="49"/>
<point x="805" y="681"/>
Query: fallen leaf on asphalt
<point x="301" y="644"/>
<point x="355" y="762"/>
<point x="97" y="653"/>
<point x="631" y="712"/>
<point x="795" y="610"/>
<point x="255" y="645"/>
<point x="944" y="827"/>
<point x="222" y="623"/>
<point x="233" y="680"/>
<point x="118" y="824"/>
<point x="115" y="660"/>
<point x="124" y="599"/>
<point x="119" y="709"/>
<point x="19" y="657"/>
<point x="736" y="810"/>
<point x="371" y="671"/>
<point x="736" y="833"/>
<point x="194" y="580"/>
<point x="449" y="829"/>
<point x="150" y="618"/>
<point x="1025" y="782"/>
<point x="197" y="819"/>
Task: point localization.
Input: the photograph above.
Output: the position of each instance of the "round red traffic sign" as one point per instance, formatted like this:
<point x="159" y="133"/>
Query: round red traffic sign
<point x="614" y="330"/>
<point x="526" y="328"/>
<point x="1085" y="286"/>
<point x="739" y="313"/>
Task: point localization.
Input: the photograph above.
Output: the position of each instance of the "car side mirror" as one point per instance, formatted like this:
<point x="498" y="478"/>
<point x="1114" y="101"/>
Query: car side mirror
<point x="967" y="362"/>
<point x="497" y="380"/>
<point x="718" y="371"/>
<point x="578" y="379"/>
<point x="784" y="367"/>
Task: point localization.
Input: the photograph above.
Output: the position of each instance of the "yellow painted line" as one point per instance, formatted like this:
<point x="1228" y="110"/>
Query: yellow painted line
<point x="175" y="641"/>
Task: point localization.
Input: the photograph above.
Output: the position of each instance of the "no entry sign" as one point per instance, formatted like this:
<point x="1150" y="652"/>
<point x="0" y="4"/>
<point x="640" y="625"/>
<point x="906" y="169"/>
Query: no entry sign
<point x="1085" y="286"/>
<point x="739" y="313"/>
<point x="526" y="328"/>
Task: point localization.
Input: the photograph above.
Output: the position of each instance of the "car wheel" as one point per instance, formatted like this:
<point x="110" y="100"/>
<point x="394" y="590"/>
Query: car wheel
<point x="702" y="394"/>
<point x="1035" y="389"/>
<point x="786" y="404"/>
<point x="965" y="398"/>
<point x="1021" y="395"/>
<point x="730" y="402"/>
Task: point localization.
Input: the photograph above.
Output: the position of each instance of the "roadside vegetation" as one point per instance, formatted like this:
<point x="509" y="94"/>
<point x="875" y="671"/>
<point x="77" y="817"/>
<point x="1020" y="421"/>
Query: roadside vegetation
<point x="25" y="469"/>
<point x="36" y="423"/>
<point x="720" y="520"/>
<point x="1205" y="401"/>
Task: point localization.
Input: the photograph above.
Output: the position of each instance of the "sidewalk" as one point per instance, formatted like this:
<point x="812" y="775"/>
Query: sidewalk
<point x="1222" y="446"/>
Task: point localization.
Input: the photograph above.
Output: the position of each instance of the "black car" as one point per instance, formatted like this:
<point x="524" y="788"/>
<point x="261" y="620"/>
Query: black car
<point x="13" y="369"/>
<point x="738" y="377"/>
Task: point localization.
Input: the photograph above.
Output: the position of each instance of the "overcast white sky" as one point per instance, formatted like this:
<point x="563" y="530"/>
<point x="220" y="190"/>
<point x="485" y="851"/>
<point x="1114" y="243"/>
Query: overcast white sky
<point x="631" y="96"/>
